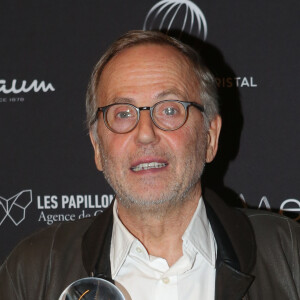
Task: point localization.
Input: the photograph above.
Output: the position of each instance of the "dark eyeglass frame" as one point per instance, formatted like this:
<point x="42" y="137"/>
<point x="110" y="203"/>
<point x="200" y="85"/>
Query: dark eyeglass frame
<point x="185" y="104"/>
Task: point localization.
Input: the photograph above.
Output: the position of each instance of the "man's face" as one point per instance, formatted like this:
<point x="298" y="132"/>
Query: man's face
<point x="144" y="75"/>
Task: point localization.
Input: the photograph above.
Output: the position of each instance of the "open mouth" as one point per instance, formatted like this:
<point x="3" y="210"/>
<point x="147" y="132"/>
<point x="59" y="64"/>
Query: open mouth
<point x="148" y="166"/>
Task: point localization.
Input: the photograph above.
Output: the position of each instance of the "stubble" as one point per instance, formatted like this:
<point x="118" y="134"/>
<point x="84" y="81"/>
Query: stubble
<point x="181" y="188"/>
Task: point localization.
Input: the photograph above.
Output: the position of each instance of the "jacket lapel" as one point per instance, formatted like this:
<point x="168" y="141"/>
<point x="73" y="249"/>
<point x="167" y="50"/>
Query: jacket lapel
<point x="236" y="248"/>
<point x="96" y="245"/>
<point x="230" y="283"/>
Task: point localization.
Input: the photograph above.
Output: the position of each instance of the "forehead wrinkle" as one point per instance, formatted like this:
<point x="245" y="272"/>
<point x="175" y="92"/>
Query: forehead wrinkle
<point x="170" y="92"/>
<point x="173" y="75"/>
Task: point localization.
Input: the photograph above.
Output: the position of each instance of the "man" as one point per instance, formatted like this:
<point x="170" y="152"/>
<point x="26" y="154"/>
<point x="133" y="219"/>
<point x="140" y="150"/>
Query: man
<point x="153" y="119"/>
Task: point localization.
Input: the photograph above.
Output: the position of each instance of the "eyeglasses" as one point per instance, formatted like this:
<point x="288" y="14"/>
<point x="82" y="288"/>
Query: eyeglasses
<point x="167" y="115"/>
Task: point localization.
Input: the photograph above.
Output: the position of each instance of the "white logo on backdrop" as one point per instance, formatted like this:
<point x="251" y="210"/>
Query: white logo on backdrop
<point x="16" y="88"/>
<point x="163" y="14"/>
<point x="14" y="208"/>
<point x="287" y="206"/>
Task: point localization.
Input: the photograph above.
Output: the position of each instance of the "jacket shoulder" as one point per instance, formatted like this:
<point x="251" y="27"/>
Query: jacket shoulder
<point x="29" y="267"/>
<point x="43" y="241"/>
<point x="278" y="254"/>
<point x="271" y="220"/>
<point x="272" y="227"/>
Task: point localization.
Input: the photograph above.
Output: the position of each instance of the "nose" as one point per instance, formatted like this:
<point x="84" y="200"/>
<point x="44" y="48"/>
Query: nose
<point x="146" y="130"/>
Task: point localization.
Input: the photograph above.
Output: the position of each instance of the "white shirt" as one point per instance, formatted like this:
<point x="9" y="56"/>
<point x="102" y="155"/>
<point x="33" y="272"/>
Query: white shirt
<point x="141" y="276"/>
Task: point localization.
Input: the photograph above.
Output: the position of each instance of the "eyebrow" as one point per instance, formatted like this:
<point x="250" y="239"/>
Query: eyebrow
<point x="122" y="100"/>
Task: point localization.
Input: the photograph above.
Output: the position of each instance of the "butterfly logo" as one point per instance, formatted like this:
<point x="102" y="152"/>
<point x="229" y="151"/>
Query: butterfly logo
<point x="14" y="207"/>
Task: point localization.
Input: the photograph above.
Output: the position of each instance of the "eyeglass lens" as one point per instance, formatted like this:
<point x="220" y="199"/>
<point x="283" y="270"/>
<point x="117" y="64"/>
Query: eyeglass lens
<point x="121" y="117"/>
<point x="167" y="115"/>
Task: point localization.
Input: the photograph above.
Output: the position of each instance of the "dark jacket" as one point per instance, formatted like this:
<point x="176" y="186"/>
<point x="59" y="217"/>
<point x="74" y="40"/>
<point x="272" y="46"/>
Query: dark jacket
<point x="258" y="256"/>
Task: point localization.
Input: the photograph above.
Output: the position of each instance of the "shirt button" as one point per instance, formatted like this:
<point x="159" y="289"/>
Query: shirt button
<point x="138" y="250"/>
<point x="166" y="280"/>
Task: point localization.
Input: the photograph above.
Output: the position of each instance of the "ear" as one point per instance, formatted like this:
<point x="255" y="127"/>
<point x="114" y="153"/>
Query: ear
<point x="213" y="138"/>
<point x="96" y="150"/>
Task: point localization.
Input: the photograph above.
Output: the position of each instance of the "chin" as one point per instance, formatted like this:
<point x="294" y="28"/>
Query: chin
<point x="154" y="204"/>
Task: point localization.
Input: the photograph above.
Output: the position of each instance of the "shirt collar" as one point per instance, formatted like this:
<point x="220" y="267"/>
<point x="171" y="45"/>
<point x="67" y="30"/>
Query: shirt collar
<point x="198" y="235"/>
<point x="121" y="242"/>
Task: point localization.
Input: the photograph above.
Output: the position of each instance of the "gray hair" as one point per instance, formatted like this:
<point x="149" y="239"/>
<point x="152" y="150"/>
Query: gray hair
<point x="206" y="80"/>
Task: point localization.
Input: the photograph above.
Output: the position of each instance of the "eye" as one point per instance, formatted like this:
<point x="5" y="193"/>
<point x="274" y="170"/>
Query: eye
<point x="124" y="114"/>
<point x="170" y="111"/>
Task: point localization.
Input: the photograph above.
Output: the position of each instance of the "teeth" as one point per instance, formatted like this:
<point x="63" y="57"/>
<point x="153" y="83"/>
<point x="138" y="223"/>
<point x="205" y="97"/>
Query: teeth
<point x="147" y="166"/>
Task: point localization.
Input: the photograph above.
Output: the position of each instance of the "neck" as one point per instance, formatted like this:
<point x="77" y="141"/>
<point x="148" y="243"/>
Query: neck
<point x="161" y="233"/>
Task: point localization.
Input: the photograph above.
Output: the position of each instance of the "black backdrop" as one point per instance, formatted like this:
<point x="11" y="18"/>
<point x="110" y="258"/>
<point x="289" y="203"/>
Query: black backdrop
<point x="48" y="49"/>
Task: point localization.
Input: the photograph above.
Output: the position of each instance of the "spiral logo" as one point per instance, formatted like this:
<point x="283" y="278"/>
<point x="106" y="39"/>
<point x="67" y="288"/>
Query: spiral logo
<point x="183" y="15"/>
